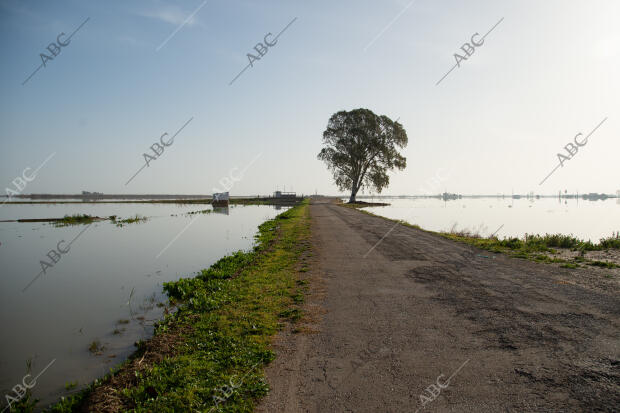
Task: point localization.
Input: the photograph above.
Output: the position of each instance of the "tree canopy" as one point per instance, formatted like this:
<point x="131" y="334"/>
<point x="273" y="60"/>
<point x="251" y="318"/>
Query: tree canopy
<point x="360" y="148"/>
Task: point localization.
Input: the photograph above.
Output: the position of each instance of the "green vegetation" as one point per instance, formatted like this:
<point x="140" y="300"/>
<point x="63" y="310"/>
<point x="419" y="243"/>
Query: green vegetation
<point x="76" y="219"/>
<point x="211" y="351"/>
<point x="540" y="247"/>
<point x="132" y="220"/>
<point x="71" y="385"/>
<point x="362" y="204"/>
<point x="603" y="264"/>
<point x="360" y="148"/>
<point x="535" y="243"/>
<point x="540" y="243"/>
<point x="610" y="242"/>
<point x="203" y="211"/>
<point x="87" y="219"/>
<point x="22" y="402"/>
<point x="96" y="347"/>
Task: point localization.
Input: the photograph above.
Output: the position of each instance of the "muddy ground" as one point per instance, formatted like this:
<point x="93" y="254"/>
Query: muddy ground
<point x="403" y="320"/>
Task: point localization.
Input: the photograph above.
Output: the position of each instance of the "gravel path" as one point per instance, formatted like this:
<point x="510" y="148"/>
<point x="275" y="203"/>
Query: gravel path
<point x="421" y="323"/>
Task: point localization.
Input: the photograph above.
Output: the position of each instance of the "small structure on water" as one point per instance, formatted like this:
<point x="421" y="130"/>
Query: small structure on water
<point x="220" y="199"/>
<point x="87" y="194"/>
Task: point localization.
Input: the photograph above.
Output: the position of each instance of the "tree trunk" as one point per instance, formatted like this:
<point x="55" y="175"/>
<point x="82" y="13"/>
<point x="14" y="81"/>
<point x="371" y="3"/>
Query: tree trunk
<point x="352" y="197"/>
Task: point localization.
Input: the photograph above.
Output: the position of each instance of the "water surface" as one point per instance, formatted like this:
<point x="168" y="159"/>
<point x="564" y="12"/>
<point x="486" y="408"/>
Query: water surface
<point x="509" y="217"/>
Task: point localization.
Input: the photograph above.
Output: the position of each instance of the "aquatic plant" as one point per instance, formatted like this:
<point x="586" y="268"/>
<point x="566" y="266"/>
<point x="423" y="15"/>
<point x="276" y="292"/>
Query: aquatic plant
<point x="71" y="385"/>
<point x="132" y="220"/>
<point x="96" y="347"/>
<point x="203" y="211"/>
<point x="76" y="219"/>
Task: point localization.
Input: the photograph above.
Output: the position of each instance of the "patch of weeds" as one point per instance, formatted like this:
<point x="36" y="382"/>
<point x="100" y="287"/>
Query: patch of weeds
<point x="136" y="219"/>
<point x="603" y="264"/>
<point x="96" y="347"/>
<point x="298" y="298"/>
<point x="202" y="211"/>
<point x="71" y="385"/>
<point x="524" y="255"/>
<point x="293" y="314"/>
<point x="76" y="219"/>
<point x="611" y="242"/>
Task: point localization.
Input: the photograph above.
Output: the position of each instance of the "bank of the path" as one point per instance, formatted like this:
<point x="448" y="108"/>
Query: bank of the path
<point x="394" y="323"/>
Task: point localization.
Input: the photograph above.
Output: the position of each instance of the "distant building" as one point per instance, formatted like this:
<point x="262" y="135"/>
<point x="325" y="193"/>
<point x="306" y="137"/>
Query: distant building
<point x="220" y="199"/>
<point x="447" y="196"/>
<point x="593" y="196"/>
<point x="280" y="194"/>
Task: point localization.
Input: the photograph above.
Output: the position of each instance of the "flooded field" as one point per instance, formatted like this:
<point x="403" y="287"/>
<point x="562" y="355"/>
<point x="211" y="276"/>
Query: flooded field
<point x="78" y="297"/>
<point x="509" y="217"/>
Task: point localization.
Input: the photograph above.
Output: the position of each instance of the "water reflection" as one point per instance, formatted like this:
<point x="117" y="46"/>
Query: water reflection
<point x="222" y="210"/>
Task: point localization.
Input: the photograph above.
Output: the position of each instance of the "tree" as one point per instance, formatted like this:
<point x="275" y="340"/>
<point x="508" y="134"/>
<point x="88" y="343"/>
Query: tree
<point x="360" y="148"/>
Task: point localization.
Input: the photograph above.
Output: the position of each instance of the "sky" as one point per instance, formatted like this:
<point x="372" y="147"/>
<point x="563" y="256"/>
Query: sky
<point x="136" y="70"/>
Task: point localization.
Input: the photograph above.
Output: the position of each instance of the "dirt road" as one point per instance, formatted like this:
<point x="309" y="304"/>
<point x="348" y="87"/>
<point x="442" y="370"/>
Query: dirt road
<point x="425" y="324"/>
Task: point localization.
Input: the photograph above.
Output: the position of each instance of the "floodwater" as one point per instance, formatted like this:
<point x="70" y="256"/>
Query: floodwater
<point x="107" y="286"/>
<point x="509" y="217"/>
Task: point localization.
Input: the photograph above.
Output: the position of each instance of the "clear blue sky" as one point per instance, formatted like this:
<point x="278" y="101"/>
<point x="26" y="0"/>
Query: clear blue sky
<point x="547" y="72"/>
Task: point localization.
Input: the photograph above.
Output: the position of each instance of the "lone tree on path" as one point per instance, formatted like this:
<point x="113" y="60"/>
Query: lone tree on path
<point x="360" y="148"/>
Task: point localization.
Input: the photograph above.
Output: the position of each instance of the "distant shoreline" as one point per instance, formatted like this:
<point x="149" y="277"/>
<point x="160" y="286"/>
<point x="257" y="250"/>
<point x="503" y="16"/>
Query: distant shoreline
<point x="149" y="199"/>
<point x="181" y="197"/>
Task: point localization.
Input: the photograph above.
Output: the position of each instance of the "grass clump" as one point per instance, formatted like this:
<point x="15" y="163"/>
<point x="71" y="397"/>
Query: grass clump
<point x="96" y="347"/>
<point x="539" y="247"/>
<point x="611" y="242"/>
<point x="202" y="211"/>
<point x="76" y="219"/>
<point x="136" y="219"/>
<point x="71" y="385"/>
<point x="603" y="264"/>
